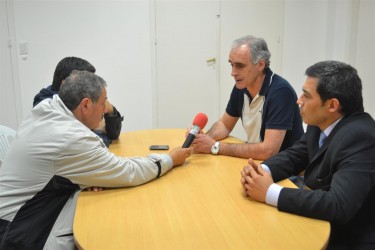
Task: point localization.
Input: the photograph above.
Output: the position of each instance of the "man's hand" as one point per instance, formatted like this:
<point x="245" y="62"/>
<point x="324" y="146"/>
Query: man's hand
<point x="101" y="126"/>
<point x="202" y="144"/>
<point x="179" y="155"/>
<point x="108" y="107"/>
<point x="255" y="181"/>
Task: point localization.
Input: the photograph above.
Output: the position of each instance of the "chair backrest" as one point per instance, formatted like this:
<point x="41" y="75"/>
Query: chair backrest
<point x="6" y="138"/>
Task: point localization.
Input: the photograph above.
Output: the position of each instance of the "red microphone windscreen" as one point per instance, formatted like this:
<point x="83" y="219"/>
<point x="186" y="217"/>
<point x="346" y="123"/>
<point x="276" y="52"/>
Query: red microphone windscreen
<point x="200" y="120"/>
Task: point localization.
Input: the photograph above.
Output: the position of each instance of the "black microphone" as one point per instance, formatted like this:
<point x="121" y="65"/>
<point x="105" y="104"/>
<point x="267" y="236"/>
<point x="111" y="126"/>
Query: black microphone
<point x="199" y="122"/>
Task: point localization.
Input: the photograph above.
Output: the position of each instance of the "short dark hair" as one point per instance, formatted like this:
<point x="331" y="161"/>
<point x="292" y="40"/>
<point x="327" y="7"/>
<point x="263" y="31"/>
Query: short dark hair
<point x="66" y="66"/>
<point x="79" y="85"/>
<point x="338" y="80"/>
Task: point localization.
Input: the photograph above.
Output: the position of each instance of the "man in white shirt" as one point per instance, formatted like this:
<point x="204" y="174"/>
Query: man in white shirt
<point x="54" y="156"/>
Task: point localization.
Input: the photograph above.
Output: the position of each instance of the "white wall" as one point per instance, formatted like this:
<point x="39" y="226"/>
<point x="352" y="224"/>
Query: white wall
<point x="330" y="30"/>
<point x="365" y="56"/>
<point x="113" y="35"/>
<point x="117" y="38"/>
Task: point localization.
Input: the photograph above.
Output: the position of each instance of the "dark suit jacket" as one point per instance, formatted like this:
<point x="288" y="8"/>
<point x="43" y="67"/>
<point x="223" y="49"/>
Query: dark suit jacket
<point x="341" y="175"/>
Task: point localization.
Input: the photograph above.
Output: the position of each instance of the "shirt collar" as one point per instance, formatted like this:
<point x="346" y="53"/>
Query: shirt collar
<point x="266" y="83"/>
<point x="328" y="130"/>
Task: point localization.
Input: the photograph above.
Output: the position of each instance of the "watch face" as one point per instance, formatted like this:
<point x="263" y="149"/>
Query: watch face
<point x="215" y="148"/>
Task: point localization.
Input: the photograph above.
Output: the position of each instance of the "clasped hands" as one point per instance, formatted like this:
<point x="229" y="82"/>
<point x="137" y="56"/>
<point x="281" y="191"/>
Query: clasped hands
<point x="255" y="181"/>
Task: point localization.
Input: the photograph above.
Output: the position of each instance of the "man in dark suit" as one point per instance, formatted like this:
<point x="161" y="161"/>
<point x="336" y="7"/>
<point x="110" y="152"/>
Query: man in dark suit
<point x="340" y="175"/>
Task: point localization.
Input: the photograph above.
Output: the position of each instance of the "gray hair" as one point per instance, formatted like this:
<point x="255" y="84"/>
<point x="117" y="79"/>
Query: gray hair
<point x="258" y="48"/>
<point x="79" y="85"/>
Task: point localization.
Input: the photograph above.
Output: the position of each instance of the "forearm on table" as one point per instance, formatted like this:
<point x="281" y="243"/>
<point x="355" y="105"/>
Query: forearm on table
<point x="218" y="131"/>
<point x="256" y="151"/>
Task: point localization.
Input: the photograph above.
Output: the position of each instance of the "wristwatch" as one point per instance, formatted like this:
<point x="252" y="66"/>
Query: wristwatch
<point x="215" y="148"/>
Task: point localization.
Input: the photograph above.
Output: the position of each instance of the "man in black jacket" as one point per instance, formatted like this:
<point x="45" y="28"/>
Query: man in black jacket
<point x="110" y="127"/>
<point x="339" y="172"/>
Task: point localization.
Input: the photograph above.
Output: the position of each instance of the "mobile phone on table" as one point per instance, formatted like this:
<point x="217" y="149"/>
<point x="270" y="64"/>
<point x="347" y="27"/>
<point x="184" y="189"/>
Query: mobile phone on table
<point x="159" y="147"/>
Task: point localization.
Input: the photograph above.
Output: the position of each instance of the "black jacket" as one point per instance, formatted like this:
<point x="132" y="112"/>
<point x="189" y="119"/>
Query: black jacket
<point x="341" y="175"/>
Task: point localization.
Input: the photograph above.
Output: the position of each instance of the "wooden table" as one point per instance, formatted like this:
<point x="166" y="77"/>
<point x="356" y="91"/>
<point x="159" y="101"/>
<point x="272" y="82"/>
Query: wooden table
<point x="199" y="205"/>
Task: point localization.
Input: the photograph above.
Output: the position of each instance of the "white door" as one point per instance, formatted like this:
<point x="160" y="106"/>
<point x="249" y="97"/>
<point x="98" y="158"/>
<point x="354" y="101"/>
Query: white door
<point x="187" y="40"/>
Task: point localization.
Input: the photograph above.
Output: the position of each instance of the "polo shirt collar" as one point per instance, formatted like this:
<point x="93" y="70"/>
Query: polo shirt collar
<point x="266" y="83"/>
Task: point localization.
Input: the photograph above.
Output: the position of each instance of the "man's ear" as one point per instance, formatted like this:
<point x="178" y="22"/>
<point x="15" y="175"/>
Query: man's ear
<point x="334" y="105"/>
<point x="84" y="105"/>
<point x="81" y="110"/>
<point x="261" y="65"/>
